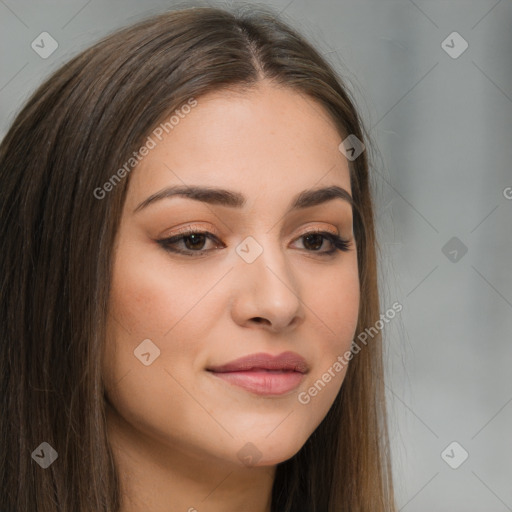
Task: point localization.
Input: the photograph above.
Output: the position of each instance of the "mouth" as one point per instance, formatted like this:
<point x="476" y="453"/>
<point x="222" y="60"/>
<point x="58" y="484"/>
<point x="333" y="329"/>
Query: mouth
<point x="264" y="374"/>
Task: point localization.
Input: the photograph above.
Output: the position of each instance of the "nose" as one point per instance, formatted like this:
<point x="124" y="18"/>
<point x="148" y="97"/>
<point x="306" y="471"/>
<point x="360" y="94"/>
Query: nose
<point x="266" y="293"/>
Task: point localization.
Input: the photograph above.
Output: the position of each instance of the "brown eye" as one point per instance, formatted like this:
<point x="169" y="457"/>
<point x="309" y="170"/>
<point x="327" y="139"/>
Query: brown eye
<point x="193" y="242"/>
<point x="197" y="241"/>
<point x="314" y="240"/>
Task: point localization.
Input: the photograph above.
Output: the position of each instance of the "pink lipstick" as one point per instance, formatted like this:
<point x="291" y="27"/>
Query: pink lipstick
<point x="264" y="374"/>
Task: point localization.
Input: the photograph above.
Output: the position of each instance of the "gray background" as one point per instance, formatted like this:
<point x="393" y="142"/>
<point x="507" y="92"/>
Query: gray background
<point x="443" y="127"/>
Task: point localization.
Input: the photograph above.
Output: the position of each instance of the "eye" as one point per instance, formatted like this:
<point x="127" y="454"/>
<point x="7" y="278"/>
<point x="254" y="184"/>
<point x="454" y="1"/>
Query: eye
<point x="194" y="242"/>
<point x="314" y="240"/>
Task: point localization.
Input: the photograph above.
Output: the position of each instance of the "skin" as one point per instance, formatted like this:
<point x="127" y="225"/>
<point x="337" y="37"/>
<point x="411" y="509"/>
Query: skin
<point x="176" y="430"/>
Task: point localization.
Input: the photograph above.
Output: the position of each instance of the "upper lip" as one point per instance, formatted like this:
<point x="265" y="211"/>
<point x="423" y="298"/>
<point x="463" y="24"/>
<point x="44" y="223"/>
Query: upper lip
<point x="285" y="361"/>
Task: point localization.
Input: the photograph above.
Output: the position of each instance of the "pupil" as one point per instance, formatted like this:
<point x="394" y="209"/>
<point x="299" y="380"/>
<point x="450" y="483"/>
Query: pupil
<point x="318" y="237"/>
<point x="197" y="239"/>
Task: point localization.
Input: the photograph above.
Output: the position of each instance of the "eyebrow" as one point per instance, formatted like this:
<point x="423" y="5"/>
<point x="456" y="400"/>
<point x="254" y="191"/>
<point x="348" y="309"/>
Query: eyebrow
<point x="229" y="198"/>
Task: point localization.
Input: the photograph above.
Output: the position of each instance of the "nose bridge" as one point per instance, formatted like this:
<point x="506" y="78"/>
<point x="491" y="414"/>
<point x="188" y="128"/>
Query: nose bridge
<point x="266" y="287"/>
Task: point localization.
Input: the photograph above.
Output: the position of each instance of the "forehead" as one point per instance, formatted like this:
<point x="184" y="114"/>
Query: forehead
<point x="268" y="140"/>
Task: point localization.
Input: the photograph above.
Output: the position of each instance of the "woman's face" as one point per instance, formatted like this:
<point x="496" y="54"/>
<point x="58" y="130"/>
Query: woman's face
<point x="250" y="283"/>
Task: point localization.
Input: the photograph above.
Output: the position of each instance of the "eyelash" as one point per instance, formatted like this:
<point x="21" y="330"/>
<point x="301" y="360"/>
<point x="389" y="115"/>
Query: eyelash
<point x="167" y="243"/>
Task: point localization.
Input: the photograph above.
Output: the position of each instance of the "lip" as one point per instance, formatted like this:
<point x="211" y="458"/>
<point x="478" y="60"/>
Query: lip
<point x="264" y="374"/>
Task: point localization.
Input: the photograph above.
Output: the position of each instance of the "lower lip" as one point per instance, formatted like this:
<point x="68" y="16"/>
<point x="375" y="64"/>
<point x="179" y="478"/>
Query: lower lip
<point x="263" y="382"/>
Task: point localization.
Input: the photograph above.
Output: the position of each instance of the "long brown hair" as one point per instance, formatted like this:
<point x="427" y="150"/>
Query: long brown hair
<point x="76" y="130"/>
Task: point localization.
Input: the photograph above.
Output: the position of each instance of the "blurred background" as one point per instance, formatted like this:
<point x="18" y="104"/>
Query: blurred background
<point x="433" y="83"/>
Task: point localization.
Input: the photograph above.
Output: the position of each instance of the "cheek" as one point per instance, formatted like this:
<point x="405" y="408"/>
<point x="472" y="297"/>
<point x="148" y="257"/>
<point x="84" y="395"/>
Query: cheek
<point x="146" y="297"/>
<point x="143" y="306"/>
<point x="334" y="308"/>
<point x="146" y="302"/>
<point x="334" y="305"/>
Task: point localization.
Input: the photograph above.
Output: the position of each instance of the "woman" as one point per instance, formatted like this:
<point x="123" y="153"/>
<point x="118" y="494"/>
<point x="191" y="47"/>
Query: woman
<point x="188" y="255"/>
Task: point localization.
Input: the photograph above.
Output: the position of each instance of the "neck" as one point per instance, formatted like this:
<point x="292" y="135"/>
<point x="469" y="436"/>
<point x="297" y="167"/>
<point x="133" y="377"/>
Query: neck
<point x="154" y="476"/>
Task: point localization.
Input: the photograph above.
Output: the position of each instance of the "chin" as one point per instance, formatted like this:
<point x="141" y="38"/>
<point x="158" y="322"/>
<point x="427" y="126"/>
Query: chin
<point x="274" y="460"/>
<point x="269" y="452"/>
